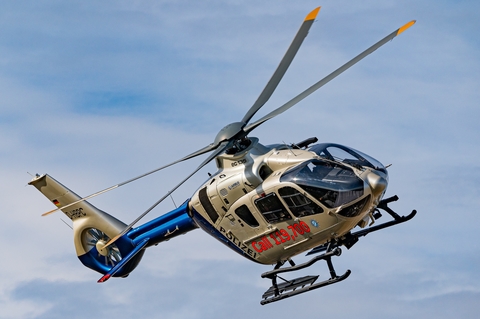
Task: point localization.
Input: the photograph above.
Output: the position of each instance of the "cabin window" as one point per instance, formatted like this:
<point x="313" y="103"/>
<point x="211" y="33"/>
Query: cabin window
<point x="298" y="203"/>
<point x="246" y="215"/>
<point x="355" y="209"/>
<point x="207" y="205"/>
<point x="272" y="209"/>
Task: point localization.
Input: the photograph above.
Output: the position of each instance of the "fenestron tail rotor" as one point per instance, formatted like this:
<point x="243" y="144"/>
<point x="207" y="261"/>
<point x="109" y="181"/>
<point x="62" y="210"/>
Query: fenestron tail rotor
<point x="95" y="238"/>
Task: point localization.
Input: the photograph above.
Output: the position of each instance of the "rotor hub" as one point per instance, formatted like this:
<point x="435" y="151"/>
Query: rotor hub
<point x="102" y="250"/>
<point x="230" y="131"/>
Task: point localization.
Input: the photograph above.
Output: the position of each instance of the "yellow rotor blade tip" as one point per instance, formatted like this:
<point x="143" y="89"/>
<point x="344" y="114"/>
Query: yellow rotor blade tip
<point x="312" y="15"/>
<point x="406" y="26"/>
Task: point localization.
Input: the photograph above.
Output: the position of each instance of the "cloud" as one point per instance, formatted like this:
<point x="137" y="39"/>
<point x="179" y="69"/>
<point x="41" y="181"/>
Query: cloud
<point x="97" y="93"/>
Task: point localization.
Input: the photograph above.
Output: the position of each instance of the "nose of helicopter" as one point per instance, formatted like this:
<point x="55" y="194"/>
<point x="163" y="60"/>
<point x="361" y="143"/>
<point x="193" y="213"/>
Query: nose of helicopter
<point x="377" y="183"/>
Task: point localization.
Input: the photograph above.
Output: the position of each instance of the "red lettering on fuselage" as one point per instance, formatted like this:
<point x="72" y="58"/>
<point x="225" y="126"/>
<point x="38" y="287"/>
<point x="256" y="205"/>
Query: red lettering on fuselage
<point x="281" y="236"/>
<point x="262" y="245"/>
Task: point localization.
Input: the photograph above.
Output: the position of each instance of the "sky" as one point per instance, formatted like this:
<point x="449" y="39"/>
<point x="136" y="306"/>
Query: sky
<point x="97" y="92"/>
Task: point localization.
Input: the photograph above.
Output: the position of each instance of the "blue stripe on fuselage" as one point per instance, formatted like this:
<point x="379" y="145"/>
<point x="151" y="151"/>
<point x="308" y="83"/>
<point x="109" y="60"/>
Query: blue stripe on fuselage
<point x="165" y="227"/>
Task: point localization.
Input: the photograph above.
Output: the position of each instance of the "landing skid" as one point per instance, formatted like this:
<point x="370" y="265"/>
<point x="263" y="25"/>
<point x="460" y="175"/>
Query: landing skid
<point x="351" y="239"/>
<point x="302" y="284"/>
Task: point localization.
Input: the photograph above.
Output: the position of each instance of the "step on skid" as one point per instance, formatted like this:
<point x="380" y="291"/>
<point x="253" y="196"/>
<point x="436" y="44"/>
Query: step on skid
<point x="300" y="285"/>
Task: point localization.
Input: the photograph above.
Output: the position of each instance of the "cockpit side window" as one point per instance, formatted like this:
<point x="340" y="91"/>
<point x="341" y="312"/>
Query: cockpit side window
<point x="299" y="204"/>
<point x="331" y="198"/>
<point x="272" y="208"/>
<point x="246" y="215"/>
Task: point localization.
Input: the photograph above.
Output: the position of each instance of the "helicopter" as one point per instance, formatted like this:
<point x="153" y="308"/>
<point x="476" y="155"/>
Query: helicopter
<point x="268" y="203"/>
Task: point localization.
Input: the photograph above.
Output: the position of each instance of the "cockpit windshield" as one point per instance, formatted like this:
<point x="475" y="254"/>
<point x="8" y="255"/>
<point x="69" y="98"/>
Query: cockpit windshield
<point x="331" y="183"/>
<point x="347" y="155"/>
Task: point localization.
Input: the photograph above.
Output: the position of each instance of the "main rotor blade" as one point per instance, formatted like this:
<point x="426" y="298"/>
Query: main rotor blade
<point x="327" y="79"/>
<point x="204" y="150"/>
<point x="222" y="147"/>
<point x="283" y="66"/>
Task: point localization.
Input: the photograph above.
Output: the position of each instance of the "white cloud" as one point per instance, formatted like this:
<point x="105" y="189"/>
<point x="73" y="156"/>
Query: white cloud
<point x="96" y="93"/>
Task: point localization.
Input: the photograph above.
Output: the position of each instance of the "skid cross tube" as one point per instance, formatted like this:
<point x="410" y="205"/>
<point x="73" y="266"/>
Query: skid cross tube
<point x="350" y="239"/>
<point x="277" y="270"/>
<point x="302" y="284"/>
<point x="397" y="218"/>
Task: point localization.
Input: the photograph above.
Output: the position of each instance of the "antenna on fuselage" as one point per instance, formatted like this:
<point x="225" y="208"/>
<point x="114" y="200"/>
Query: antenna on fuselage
<point x="66" y="224"/>
<point x="173" y="201"/>
<point x="289" y="148"/>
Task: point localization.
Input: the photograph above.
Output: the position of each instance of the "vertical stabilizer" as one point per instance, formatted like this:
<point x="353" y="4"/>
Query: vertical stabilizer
<point x="92" y="228"/>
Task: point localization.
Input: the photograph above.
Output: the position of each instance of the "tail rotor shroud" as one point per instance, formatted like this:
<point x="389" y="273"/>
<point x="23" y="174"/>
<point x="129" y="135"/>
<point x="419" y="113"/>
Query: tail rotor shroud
<point x="92" y="229"/>
<point x="95" y="238"/>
